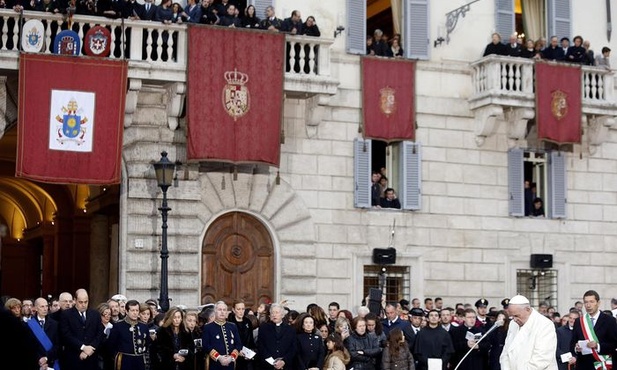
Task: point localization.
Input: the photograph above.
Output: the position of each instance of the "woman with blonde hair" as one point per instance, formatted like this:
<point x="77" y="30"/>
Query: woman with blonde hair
<point x="173" y="348"/>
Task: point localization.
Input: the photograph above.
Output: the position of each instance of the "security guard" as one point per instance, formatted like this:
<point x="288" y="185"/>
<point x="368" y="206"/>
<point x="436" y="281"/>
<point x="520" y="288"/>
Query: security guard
<point x="481" y="308"/>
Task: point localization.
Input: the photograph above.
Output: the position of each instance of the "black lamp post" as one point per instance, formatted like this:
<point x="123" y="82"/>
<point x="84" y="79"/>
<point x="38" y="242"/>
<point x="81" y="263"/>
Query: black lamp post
<point x="164" y="176"/>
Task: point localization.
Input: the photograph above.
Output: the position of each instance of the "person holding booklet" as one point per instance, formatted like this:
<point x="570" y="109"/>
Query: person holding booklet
<point x="220" y="340"/>
<point x="594" y="336"/>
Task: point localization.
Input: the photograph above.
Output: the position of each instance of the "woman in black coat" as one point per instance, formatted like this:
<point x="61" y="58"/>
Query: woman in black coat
<point x="250" y="19"/>
<point x="311" y="351"/>
<point x="173" y="348"/>
<point x="245" y="329"/>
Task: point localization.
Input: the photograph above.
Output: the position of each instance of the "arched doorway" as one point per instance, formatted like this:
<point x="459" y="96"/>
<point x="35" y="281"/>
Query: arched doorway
<point x="237" y="260"/>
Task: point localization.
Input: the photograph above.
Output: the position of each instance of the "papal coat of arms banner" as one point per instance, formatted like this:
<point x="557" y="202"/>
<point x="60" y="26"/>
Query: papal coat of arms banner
<point x="234" y="95"/>
<point x="558" y="102"/>
<point x="388" y="99"/>
<point x="71" y="119"/>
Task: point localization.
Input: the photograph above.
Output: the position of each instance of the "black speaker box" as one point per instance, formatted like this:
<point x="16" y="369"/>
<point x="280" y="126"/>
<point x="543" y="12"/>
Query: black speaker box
<point x="541" y="261"/>
<point x="384" y="256"/>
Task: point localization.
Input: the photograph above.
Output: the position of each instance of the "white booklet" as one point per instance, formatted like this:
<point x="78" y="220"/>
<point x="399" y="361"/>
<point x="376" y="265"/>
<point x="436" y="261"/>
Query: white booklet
<point x="247" y="353"/>
<point x="584" y="349"/>
<point x="434" y="364"/>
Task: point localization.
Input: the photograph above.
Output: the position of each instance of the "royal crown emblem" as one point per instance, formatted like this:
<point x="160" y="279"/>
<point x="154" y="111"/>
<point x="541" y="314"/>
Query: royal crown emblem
<point x="236" y="97"/>
<point x="67" y="43"/>
<point x="72" y="124"/>
<point x="387" y="100"/>
<point x="559" y="104"/>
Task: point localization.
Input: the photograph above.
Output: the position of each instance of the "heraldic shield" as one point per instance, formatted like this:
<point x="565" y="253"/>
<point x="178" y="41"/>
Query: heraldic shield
<point x="98" y="40"/>
<point x="236" y="98"/>
<point x="70" y="125"/>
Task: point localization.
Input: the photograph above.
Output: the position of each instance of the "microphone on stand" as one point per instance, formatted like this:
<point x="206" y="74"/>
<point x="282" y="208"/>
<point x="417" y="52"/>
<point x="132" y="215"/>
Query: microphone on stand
<point x="497" y="324"/>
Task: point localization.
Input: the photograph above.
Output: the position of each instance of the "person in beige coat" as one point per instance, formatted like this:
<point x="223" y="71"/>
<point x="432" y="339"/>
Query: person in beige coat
<point x="531" y="342"/>
<point x="336" y="359"/>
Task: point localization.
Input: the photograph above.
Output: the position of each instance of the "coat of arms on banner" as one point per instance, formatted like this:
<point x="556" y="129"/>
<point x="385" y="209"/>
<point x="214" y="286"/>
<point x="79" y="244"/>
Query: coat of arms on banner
<point x="236" y="98"/>
<point x="387" y="100"/>
<point x="98" y="40"/>
<point x="32" y="40"/>
<point x="71" y="121"/>
<point x="67" y="43"/>
<point x="559" y="104"/>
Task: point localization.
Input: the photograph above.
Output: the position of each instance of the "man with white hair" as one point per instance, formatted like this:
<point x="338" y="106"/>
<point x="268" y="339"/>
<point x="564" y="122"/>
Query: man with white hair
<point x="276" y="346"/>
<point x="531" y="342"/>
<point x="221" y="340"/>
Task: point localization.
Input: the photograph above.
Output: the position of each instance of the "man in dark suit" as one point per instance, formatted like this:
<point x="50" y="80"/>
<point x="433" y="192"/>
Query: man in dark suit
<point x="81" y="333"/>
<point x="591" y="325"/>
<point x="276" y="346"/>
<point x="564" y="338"/>
<point x="46" y="331"/>
<point x="18" y="344"/>
<point x="146" y="11"/>
<point x="466" y="337"/>
<point x="393" y="321"/>
<point x="514" y="49"/>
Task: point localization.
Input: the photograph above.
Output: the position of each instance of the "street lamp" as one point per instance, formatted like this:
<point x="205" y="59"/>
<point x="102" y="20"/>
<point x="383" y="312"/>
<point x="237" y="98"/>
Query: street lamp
<point x="164" y="176"/>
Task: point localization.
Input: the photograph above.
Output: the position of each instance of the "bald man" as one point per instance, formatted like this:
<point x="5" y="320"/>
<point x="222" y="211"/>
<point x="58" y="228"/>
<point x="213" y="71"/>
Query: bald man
<point x="531" y="342"/>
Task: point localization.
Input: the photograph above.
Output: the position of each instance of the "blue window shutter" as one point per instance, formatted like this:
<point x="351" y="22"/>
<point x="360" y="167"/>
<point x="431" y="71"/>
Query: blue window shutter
<point x="559" y="18"/>
<point x="416" y="36"/>
<point x="356" y="27"/>
<point x="362" y="173"/>
<point x="516" y="202"/>
<point x="411" y="175"/>
<point x="260" y="8"/>
<point x="504" y="18"/>
<point x="557" y="184"/>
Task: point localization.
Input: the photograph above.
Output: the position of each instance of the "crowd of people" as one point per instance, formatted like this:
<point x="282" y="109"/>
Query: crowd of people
<point x="125" y="334"/>
<point x="381" y="45"/>
<point x="560" y="50"/>
<point x="226" y="13"/>
<point x="383" y="196"/>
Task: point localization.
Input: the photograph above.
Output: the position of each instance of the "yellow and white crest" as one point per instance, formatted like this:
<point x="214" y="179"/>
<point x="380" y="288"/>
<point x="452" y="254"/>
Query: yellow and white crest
<point x="387" y="100"/>
<point x="559" y="104"/>
<point x="236" y="97"/>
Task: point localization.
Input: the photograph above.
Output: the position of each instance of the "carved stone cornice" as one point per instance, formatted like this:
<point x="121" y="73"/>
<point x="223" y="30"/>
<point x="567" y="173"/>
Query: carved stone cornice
<point x="516" y="119"/>
<point x="176" y="92"/>
<point x="596" y="130"/>
<point x="132" y="96"/>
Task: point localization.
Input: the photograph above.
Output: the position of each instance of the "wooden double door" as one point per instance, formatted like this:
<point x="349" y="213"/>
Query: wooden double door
<point x="237" y="261"/>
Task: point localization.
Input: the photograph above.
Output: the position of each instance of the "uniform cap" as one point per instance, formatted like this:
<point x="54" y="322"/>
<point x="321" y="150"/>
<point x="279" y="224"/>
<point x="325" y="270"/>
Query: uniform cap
<point x="505" y="302"/>
<point x="417" y="312"/>
<point x="119" y="297"/>
<point x="481" y="303"/>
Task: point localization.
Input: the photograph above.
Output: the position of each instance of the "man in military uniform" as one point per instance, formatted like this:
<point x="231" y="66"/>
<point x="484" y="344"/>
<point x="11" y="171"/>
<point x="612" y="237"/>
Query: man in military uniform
<point x="481" y="307"/>
<point x="129" y="340"/>
<point x="221" y="340"/>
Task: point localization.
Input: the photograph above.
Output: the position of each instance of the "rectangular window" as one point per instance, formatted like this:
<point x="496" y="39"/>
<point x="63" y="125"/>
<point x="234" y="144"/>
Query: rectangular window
<point x="401" y="163"/>
<point x="538" y="286"/>
<point x="393" y="281"/>
<point x="537" y="183"/>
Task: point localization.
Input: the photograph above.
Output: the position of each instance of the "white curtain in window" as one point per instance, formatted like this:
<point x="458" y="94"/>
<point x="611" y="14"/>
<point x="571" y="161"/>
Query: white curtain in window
<point x="396" y="15"/>
<point x="533" y="19"/>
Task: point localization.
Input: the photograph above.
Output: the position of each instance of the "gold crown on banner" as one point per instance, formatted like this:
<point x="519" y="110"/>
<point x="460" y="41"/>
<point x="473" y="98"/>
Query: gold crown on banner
<point x="236" y="78"/>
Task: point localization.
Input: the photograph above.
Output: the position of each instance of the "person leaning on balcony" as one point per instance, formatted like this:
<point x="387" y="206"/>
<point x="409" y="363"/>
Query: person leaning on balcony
<point x="553" y="51"/>
<point x="495" y="46"/>
<point x="230" y="19"/>
<point x="309" y="28"/>
<point x="576" y="53"/>
<point x="208" y="13"/>
<point x="250" y="19"/>
<point x="293" y="24"/>
<point x="47" y="6"/>
<point x="513" y="48"/>
<point x="603" y="60"/>
<point x="145" y="12"/>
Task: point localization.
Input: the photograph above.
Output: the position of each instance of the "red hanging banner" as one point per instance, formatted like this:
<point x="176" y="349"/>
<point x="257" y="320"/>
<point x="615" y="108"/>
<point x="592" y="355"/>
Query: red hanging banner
<point x="235" y="95"/>
<point x="388" y="102"/>
<point x="558" y="102"/>
<point x="71" y="119"/>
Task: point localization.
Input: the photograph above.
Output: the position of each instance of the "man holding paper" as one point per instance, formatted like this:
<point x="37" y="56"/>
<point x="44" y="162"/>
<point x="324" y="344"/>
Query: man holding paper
<point x="564" y="338"/>
<point x="594" y="336"/>
<point x="220" y="340"/>
<point x="531" y="342"/>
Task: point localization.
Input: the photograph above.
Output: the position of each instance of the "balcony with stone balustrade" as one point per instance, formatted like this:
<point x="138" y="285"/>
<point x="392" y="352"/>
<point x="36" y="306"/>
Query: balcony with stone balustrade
<point x="503" y="91"/>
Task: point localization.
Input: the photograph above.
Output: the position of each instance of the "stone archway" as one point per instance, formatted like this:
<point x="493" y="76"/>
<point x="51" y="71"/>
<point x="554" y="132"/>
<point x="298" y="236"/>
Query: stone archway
<point x="237" y="260"/>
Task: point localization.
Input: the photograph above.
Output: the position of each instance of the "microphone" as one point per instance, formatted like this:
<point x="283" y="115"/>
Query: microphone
<point x="496" y="325"/>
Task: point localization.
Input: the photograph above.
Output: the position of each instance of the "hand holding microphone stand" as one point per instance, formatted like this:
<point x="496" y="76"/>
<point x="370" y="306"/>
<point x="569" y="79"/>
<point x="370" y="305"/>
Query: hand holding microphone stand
<point x="497" y="324"/>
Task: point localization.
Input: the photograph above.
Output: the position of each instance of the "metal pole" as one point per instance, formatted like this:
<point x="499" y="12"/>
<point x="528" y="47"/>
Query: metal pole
<point x="164" y="297"/>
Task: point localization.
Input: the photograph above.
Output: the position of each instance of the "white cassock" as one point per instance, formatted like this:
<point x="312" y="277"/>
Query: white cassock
<point x="531" y="346"/>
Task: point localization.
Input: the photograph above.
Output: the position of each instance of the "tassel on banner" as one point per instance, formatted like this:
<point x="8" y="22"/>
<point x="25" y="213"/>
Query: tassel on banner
<point x="364" y="147"/>
<point x="414" y="148"/>
<point x="223" y="183"/>
<point x="282" y="139"/>
<point x="278" y="178"/>
<point x="387" y="150"/>
<point x="235" y="173"/>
